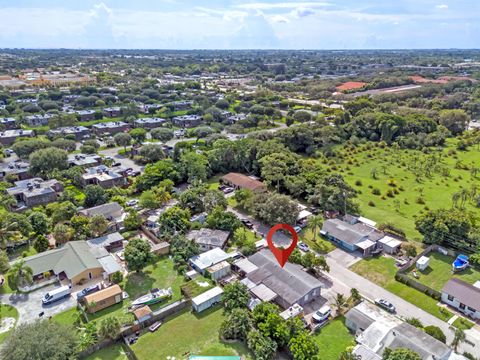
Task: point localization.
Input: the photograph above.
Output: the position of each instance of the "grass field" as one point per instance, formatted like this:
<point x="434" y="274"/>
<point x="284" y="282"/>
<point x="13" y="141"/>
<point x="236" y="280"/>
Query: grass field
<point x="7" y="311"/>
<point x="463" y="324"/>
<point x="333" y="339"/>
<point x="320" y="244"/>
<point x="416" y="181"/>
<point x="439" y="272"/>
<point x="382" y="271"/>
<point x="188" y="333"/>
<point x="114" y="352"/>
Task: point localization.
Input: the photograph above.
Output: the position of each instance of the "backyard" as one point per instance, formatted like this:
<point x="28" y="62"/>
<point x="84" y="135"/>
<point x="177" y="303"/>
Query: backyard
<point x="439" y="272"/>
<point x="114" y="352"/>
<point x="408" y="181"/>
<point x="382" y="271"/>
<point x="188" y="333"/>
<point x="333" y="339"/>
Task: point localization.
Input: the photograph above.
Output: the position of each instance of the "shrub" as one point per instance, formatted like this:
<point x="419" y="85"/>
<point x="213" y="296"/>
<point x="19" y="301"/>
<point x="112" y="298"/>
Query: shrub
<point x="390" y="193"/>
<point x="420" y="201"/>
<point x="376" y="191"/>
<point x="371" y="203"/>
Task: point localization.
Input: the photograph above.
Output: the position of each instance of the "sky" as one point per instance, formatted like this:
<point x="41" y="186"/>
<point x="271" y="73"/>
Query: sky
<point x="233" y="24"/>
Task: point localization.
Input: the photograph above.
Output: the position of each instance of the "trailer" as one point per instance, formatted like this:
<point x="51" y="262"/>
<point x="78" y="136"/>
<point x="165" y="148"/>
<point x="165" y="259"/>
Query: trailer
<point x="207" y="299"/>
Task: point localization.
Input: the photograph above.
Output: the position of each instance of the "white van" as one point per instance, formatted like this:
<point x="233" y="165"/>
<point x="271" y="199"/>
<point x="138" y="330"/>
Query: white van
<point x="322" y="314"/>
<point x="57" y="294"/>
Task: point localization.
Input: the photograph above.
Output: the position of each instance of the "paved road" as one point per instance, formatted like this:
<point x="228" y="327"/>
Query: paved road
<point x="123" y="160"/>
<point x="344" y="278"/>
<point x="30" y="305"/>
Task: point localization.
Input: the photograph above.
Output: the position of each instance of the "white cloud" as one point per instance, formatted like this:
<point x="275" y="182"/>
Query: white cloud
<point x="281" y="5"/>
<point x="279" y="19"/>
<point x="442" y="6"/>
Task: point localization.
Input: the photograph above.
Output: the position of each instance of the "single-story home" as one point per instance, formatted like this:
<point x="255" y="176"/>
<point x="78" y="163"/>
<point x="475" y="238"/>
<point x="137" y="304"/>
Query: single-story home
<point x="218" y="271"/>
<point x="241" y="181"/>
<point x="389" y="244"/>
<point x="112" y="211"/>
<point x="204" y="260"/>
<point x="102" y="299"/>
<point x="462" y="296"/>
<point x="207" y="299"/>
<point x="207" y="239"/>
<point x="291" y="284"/>
<point x="109" y="242"/>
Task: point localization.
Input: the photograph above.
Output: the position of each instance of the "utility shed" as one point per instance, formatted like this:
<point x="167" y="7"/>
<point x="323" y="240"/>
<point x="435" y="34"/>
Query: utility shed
<point x="207" y="299"/>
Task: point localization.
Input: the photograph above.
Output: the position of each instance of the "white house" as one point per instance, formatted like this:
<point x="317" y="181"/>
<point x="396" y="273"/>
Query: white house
<point x="462" y="296"/>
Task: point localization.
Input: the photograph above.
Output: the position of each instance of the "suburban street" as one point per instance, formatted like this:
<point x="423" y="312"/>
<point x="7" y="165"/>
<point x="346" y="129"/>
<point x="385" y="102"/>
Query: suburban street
<point x="343" y="278"/>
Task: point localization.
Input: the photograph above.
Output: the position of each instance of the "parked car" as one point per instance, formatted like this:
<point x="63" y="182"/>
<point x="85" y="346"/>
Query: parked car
<point x="227" y="190"/>
<point x="297" y="229"/>
<point x="322" y="314"/>
<point x="304" y="247"/>
<point x="87" y="290"/>
<point x="386" y="305"/>
<point x="247" y="223"/>
<point x="57" y="294"/>
<point x="132" y="202"/>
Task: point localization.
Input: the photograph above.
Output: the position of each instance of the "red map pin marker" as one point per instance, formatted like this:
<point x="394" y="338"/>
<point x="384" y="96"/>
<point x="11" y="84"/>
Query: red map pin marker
<point x="281" y="254"/>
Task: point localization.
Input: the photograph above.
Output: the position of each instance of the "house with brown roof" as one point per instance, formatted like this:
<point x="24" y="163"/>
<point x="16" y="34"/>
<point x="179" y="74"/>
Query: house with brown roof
<point x="103" y="299"/>
<point x="462" y="296"/>
<point x="241" y="181"/>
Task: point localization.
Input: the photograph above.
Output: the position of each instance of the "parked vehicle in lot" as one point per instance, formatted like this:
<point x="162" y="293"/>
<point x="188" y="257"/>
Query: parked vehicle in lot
<point x="247" y="223"/>
<point x="304" y="247"/>
<point x="132" y="202"/>
<point x="227" y="190"/>
<point x="87" y="290"/>
<point x="386" y="305"/>
<point x="297" y="229"/>
<point x="322" y="314"/>
<point x="57" y="294"/>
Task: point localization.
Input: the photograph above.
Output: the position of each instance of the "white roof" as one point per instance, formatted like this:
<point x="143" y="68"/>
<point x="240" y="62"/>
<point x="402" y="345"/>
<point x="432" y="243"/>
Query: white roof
<point x="209" y="258"/>
<point x="292" y="311"/>
<point x="367" y="221"/>
<point x="245" y="265"/>
<point x="263" y="292"/>
<point x="207" y="295"/>
<point x="110" y="265"/>
<point x="389" y="241"/>
<point x="365" y="244"/>
<point x="303" y="214"/>
<point x="423" y="260"/>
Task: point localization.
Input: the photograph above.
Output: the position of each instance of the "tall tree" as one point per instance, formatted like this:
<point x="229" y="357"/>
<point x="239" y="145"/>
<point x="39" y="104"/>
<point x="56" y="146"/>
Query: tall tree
<point x="20" y="275"/>
<point x="44" y="161"/>
<point x="137" y="254"/>
<point x="235" y="296"/>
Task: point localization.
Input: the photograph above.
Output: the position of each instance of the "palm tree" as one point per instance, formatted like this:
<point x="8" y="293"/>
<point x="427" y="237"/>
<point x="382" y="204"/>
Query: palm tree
<point x="315" y="222"/>
<point x="20" y="275"/>
<point x="109" y="328"/>
<point x="455" y="198"/>
<point x="9" y="232"/>
<point x="458" y="338"/>
<point x="340" y="303"/>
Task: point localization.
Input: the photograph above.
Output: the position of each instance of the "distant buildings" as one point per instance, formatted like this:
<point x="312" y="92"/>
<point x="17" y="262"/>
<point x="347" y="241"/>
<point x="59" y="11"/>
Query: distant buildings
<point x="181" y="105"/>
<point x="34" y="192"/>
<point x="80" y="132"/>
<point x="84" y="160"/>
<point x="110" y="128"/>
<point x="208" y="239"/>
<point x="187" y="121"/>
<point x="85" y="115"/>
<point x="241" y="181"/>
<point x="113" y="212"/>
<point x="104" y="177"/>
<point x="8" y="137"/>
<point x="38" y="120"/>
<point x="150" y="123"/>
<point x="112" y="112"/>
<point x="8" y="123"/>
<point x="19" y="169"/>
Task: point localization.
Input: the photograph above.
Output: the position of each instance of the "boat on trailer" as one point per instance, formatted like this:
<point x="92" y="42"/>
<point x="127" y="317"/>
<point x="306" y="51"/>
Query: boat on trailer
<point x="155" y="296"/>
<point x="460" y="263"/>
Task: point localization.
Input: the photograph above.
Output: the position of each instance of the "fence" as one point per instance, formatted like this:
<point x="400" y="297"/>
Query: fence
<point x="94" y="348"/>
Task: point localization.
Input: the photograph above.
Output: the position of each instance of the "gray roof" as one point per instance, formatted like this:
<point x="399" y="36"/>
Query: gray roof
<point x="73" y="258"/>
<point x="106" y="209"/>
<point x="464" y="292"/>
<point x="348" y="233"/>
<point x="359" y="318"/>
<point x="209" y="258"/>
<point x="290" y="282"/>
<point x="209" y="237"/>
<point x="109" y="264"/>
<point x="105" y="240"/>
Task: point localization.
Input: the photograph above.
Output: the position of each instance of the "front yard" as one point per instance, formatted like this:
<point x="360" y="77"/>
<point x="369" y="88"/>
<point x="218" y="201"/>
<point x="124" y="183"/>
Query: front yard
<point x="382" y="271"/>
<point x="7" y="312"/>
<point x="333" y="339"/>
<point x="188" y="333"/>
<point x="439" y="272"/>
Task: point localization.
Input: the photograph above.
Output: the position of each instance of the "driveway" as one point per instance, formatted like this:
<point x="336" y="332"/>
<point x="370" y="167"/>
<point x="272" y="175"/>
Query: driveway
<point x="342" y="277"/>
<point x="30" y="305"/>
<point x="123" y="160"/>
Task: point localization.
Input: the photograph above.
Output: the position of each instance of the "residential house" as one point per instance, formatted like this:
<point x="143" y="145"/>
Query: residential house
<point x="8" y="137"/>
<point x="376" y="330"/>
<point x="232" y="119"/>
<point x="463" y="296"/>
<point x="85" y="115"/>
<point x="38" y="120"/>
<point x="207" y="259"/>
<point x="241" y="181"/>
<point x="84" y="160"/>
<point x="352" y="237"/>
<point x="148" y="108"/>
<point x="149" y="123"/>
<point x="110" y="128"/>
<point x="286" y="286"/>
<point x="8" y="123"/>
<point x="34" y="192"/>
<point x="187" y="121"/>
<point x="112" y="112"/>
<point x="102" y="299"/>
<point x="208" y="239"/>
<point x="17" y="169"/>
<point x="80" y="132"/>
<point x="181" y="105"/>
<point x="109" y="242"/>
<point x="104" y="176"/>
<point x="112" y="211"/>
<point x="74" y="261"/>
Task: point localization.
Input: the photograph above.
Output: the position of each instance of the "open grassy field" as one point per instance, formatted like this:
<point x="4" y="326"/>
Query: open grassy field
<point x="333" y="339"/>
<point x="439" y="272"/>
<point x="7" y="311"/>
<point x="382" y="271"/>
<point x="114" y="352"/>
<point x="188" y="333"/>
<point x="408" y="182"/>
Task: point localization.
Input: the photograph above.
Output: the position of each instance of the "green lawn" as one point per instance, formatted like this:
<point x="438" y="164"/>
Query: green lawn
<point x="369" y="166"/>
<point x="188" y="333"/>
<point x="7" y="311"/>
<point x="66" y="317"/>
<point x="382" y="271"/>
<point x="114" y="352"/>
<point x="333" y="339"/>
<point x="214" y="181"/>
<point x="439" y="272"/>
<point x="320" y="244"/>
<point x="463" y="324"/>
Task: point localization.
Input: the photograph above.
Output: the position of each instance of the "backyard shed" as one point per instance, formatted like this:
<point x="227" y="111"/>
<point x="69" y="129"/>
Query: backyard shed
<point x="389" y="244"/>
<point x="422" y="263"/>
<point x="143" y="313"/>
<point x="219" y="270"/>
<point x="207" y="299"/>
<point x="103" y="299"/>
